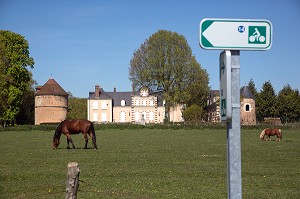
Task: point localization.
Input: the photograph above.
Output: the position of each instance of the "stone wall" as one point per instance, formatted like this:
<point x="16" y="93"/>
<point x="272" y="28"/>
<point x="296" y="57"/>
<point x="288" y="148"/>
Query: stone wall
<point x="248" y="116"/>
<point x="50" y="109"/>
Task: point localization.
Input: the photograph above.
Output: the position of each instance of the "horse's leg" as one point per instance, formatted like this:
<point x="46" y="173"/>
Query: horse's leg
<point x="94" y="140"/>
<point x="86" y="140"/>
<point x="70" y="140"/>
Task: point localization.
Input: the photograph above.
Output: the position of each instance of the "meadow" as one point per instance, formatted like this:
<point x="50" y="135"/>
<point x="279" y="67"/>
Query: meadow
<point x="148" y="163"/>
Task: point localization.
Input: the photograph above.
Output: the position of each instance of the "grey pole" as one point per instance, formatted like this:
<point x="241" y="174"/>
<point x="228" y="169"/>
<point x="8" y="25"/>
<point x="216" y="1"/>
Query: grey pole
<point x="234" y="175"/>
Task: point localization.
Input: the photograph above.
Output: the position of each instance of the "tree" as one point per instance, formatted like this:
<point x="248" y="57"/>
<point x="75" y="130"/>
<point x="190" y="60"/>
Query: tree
<point x="193" y="114"/>
<point x="165" y="62"/>
<point x="266" y="104"/>
<point x="77" y="108"/>
<point x="289" y="104"/>
<point x="26" y="114"/>
<point x="252" y="88"/>
<point x="15" y="78"/>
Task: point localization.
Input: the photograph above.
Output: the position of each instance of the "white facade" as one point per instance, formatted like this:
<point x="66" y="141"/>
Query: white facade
<point x="128" y="107"/>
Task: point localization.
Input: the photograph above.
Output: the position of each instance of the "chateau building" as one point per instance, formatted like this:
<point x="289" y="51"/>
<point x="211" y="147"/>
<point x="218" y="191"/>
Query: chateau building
<point x="51" y="103"/>
<point x="213" y="106"/>
<point x="142" y="106"/>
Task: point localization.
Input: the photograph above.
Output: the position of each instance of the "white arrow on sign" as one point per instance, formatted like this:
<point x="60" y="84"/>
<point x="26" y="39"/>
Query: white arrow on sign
<point x="235" y="34"/>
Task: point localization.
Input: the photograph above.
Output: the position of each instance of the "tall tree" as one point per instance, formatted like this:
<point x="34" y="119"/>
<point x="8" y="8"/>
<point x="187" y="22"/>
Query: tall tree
<point x="266" y="103"/>
<point x="165" y="62"/>
<point x="252" y="88"/>
<point x="77" y="108"/>
<point x="15" y="78"/>
<point x="289" y="104"/>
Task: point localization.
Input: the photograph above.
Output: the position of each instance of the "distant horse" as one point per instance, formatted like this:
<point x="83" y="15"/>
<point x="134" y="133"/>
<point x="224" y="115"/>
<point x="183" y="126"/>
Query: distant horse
<point x="68" y="127"/>
<point x="270" y="132"/>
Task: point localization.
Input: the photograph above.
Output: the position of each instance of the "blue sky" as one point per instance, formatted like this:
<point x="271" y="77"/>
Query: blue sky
<point x="84" y="43"/>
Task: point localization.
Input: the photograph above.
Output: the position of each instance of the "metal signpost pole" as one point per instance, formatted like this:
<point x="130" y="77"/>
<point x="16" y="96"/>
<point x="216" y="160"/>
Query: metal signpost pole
<point x="233" y="35"/>
<point x="234" y="132"/>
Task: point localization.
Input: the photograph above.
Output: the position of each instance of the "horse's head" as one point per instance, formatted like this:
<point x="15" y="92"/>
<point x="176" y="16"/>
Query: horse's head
<point x="262" y="135"/>
<point x="56" y="137"/>
<point x="55" y="143"/>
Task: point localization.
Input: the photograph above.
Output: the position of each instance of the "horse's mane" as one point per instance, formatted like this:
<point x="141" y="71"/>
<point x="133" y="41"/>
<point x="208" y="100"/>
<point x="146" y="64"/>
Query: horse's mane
<point x="262" y="134"/>
<point x="57" y="133"/>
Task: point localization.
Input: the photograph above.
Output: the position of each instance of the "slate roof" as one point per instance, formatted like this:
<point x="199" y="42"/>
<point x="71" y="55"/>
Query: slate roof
<point x="102" y="95"/>
<point x="119" y="96"/>
<point x="246" y="93"/>
<point x="116" y="97"/>
<point x="51" y="87"/>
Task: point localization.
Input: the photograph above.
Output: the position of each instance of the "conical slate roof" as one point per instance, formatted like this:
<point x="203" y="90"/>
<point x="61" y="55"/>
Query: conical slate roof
<point x="51" y="87"/>
<point x="246" y="93"/>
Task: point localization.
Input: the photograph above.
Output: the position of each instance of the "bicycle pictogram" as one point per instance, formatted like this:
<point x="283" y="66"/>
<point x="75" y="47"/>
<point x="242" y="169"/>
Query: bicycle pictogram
<point x="257" y="34"/>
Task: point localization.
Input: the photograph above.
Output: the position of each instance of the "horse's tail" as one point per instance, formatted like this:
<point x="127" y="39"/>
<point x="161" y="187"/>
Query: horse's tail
<point x="280" y="133"/>
<point x="92" y="131"/>
<point x="262" y="134"/>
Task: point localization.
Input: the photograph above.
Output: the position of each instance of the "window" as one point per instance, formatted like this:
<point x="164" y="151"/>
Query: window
<point x="103" y="117"/>
<point x="151" y="102"/>
<point x="137" y="116"/>
<point x="151" y="116"/>
<point x="103" y="106"/>
<point x="137" y="102"/>
<point x="123" y="103"/>
<point x="144" y="102"/>
<point x="247" y="107"/>
<point x="122" y="116"/>
<point x="95" y="117"/>
<point x="95" y="105"/>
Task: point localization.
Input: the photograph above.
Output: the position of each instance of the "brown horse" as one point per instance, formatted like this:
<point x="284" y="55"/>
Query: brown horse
<point x="68" y="127"/>
<point x="270" y="132"/>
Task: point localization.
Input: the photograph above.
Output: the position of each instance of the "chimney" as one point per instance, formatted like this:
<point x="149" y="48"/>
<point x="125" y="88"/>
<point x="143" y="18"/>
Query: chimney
<point x="97" y="91"/>
<point x="38" y="88"/>
<point x="115" y="89"/>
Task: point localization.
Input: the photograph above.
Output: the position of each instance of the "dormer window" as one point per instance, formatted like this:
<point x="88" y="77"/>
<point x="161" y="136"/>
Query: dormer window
<point x="123" y="102"/>
<point x="144" y="92"/>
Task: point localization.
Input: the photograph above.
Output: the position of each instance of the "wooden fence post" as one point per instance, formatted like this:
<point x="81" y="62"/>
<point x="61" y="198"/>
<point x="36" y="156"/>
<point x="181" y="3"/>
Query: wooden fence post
<point x="72" y="180"/>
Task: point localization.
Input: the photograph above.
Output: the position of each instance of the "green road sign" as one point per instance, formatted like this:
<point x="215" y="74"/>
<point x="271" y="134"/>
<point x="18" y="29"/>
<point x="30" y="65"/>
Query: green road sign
<point x="235" y="34"/>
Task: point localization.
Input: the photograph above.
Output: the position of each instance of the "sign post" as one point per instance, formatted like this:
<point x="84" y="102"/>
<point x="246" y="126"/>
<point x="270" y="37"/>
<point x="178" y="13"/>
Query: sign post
<point x="234" y="170"/>
<point x="225" y="86"/>
<point x="233" y="35"/>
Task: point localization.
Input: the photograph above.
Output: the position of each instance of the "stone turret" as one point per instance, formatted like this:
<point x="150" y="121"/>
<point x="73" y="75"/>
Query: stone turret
<point x="248" y="116"/>
<point x="51" y="103"/>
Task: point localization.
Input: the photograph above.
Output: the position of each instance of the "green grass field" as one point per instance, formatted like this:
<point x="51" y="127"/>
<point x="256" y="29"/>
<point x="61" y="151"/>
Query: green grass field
<point x="148" y="163"/>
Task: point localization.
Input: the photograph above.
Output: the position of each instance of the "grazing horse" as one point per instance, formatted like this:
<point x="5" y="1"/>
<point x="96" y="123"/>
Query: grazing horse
<point x="270" y="132"/>
<point x="68" y="127"/>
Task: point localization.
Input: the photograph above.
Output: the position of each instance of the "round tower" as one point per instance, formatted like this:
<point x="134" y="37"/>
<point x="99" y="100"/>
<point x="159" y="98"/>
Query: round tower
<point x="51" y="103"/>
<point x="248" y="116"/>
